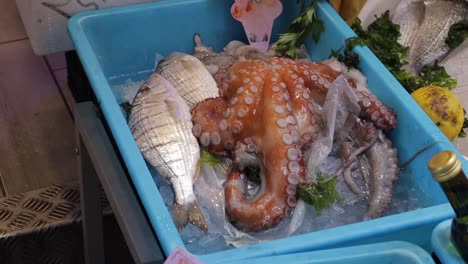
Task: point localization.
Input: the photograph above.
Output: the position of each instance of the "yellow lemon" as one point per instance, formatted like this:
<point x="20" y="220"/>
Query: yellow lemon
<point x="443" y="107"/>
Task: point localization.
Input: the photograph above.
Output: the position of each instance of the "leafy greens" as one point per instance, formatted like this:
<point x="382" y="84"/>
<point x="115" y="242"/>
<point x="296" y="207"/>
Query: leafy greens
<point x="208" y="158"/>
<point x="306" y="23"/>
<point x="382" y="38"/>
<point x="321" y="194"/>
<point x="458" y="32"/>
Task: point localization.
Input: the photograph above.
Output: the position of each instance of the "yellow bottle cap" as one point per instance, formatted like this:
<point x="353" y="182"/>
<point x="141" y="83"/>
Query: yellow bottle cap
<point x="444" y="166"/>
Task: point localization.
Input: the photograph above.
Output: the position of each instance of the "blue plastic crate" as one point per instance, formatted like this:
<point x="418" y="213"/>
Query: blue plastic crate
<point x="382" y="253"/>
<point x="121" y="43"/>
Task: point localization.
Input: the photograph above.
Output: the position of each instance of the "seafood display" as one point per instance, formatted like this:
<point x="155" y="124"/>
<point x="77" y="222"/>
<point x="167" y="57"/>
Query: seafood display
<point x="268" y="113"/>
<point x="261" y="111"/>
<point x="160" y="122"/>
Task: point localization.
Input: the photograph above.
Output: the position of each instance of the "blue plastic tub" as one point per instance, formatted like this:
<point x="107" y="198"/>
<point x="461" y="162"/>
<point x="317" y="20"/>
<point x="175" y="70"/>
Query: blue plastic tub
<point x="382" y="253"/>
<point x="121" y="43"/>
<point x="442" y="246"/>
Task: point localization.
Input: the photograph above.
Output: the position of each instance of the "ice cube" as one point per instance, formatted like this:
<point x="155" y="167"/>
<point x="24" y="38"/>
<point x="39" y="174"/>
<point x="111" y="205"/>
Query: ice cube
<point x="127" y="90"/>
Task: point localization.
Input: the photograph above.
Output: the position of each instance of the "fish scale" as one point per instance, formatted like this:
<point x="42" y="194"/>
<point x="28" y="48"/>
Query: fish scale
<point x="409" y="15"/>
<point x="189" y="76"/>
<point x="160" y="122"/>
<point x="429" y="43"/>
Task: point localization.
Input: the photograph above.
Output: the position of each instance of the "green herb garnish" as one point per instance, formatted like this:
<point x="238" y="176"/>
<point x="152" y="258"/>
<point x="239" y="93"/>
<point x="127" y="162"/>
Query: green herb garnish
<point x="436" y="75"/>
<point x="429" y="75"/>
<point x="208" y="158"/>
<point x="410" y="82"/>
<point x="321" y="194"/>
<point x="306" y="23"/>
<point x="458" y="32"/>
<point x="347" y="56"/>
<point x="382" y="38"/>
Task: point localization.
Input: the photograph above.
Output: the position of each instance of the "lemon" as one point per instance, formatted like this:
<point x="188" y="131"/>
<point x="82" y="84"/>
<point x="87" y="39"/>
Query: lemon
<point x="443" y="107"/>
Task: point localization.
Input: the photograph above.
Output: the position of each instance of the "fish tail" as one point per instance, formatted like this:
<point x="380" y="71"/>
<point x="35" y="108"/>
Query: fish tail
<point x="196" y="218"/>
<point x="189" y="213"/>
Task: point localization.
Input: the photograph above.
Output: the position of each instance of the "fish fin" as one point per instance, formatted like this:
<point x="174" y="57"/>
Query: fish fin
<point x="196" y="218"/>
<point x="197" y="171"/>
<point x="180" y="215"/>
<point x="189" y="213"/>
<point x="173" y="108"/>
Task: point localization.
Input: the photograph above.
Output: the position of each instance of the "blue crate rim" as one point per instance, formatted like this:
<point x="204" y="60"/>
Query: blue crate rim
<point x="394" y="247"/>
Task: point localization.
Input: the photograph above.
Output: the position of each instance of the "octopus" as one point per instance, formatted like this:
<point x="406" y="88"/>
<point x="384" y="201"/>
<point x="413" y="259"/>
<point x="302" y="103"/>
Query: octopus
<point x="267" y="114"/>
<point x="378" y="164"/>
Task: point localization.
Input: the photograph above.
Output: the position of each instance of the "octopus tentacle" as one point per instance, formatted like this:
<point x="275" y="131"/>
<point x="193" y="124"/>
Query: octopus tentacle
<point x="211" y="127"/>
<point x="350" y="182"/>
<point x="383" y="163"/>
<point x="347" y="152"/>
<point x="374" y="110"/>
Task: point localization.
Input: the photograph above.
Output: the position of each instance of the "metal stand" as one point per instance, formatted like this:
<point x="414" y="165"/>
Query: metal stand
<point x="99" y="163"/>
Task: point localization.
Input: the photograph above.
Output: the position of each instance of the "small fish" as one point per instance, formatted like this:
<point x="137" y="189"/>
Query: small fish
<point x="429" y="41"/>
<point x="160" y="122"/>
<point x="189" y="76"/>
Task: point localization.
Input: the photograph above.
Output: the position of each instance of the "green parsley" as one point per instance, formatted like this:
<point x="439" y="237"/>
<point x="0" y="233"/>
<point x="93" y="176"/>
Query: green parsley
<point x="458" y="32"/>
<point x="208" y="158"/>
<point x="306" y="23"/>
<point x="382" y="39"/>
<point x="321" y="194"/>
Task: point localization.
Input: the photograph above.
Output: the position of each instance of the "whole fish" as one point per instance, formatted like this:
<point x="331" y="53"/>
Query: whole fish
<point x="409" y="14"/>
<point x="160" y="122"/>
<point x="429" y="44"/>
<point x="189" y="76"/>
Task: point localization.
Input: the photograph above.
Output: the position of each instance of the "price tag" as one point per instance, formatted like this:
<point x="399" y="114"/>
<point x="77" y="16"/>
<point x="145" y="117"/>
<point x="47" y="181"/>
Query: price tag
<point x="257" y="17"/>
<point x="181" y="256"/>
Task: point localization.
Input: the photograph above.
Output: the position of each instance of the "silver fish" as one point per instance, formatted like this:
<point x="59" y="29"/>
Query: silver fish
<point x="189" y="76"/>
<point x="429" y="41"/>
<point x="409" y="14"/>
<point x="160" y="122"/>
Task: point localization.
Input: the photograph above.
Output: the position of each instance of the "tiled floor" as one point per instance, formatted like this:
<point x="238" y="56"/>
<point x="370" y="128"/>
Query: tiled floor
<point x="37" y="144"/>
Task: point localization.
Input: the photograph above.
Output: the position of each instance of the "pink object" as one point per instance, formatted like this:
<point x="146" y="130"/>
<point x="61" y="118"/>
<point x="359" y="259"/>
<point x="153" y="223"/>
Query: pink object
<point x="257" y="17"/>
<point x="181" y="256"/>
